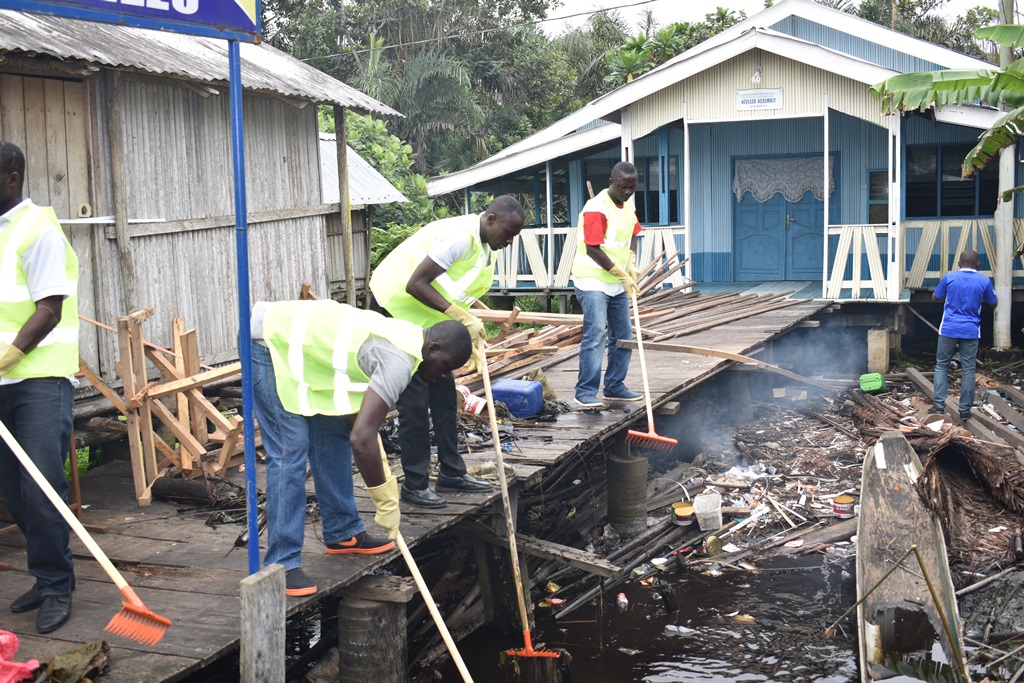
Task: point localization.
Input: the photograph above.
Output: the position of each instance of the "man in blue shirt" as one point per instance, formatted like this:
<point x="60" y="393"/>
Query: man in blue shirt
<point x="963" y="291"/>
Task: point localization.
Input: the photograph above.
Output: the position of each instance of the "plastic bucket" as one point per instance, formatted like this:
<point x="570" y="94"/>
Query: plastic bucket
<point x="474" y="405"/>
<point x="708" y="508"/>
<point x="843" y="506"/>
<point x="683" y="513"/>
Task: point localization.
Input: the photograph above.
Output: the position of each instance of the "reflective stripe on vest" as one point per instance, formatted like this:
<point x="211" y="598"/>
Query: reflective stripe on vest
<point x="617" y="238"/>
<point x="56" y="355"/>
<point x="315" y="347"/>
<point x="462" y="284"/>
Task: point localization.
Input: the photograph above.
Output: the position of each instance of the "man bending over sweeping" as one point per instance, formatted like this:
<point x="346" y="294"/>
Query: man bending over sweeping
<point x="324" y="377"/>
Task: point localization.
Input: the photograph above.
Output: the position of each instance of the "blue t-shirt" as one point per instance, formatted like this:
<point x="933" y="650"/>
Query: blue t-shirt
<point x="964" y="290"/>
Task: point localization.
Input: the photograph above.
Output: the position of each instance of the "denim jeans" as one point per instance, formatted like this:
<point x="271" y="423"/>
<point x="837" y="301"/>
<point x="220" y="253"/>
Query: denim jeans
<point x="601" y="311"/>
<point x="945" y="349"/>
<point x="289" y="440"/>
<point x="414" y="430"/>
<point x="39" y="413"/>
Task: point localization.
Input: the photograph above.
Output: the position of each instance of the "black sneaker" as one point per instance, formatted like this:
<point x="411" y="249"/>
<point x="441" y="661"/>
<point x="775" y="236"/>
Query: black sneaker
<point x="361" y="544"/>
<point x="935" y="410"/>
<point x="965" y="416"/>
<point x="297" y="584"/>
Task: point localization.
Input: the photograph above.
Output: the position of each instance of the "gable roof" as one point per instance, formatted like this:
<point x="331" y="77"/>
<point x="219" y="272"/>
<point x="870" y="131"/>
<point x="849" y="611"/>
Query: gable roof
<point x="194" y="58"/>
<point x="749" y="34"/>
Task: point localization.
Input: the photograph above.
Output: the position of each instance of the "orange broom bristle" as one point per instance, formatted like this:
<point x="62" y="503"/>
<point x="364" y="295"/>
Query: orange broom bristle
<point x="650" y="439"/>
<point x="136" y="622"/>
<point x="528" y="651"/>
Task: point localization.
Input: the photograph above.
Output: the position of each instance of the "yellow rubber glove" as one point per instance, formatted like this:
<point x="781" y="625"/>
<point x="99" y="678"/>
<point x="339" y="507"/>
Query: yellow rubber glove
<point x="476" y="360"/>
<point x="9" y="357"/>
<point x="385" y="499"/>
<point x="631" y="268"/>
<point x="472" y="323"/>
<point x="628" y="283"/>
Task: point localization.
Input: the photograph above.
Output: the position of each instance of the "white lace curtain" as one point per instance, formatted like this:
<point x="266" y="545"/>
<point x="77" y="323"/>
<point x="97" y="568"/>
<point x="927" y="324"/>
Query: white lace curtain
<point x="792" y="176"/>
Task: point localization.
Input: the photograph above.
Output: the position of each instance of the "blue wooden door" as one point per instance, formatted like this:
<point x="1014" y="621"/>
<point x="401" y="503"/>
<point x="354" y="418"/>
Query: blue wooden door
<point x="777" y="239"/>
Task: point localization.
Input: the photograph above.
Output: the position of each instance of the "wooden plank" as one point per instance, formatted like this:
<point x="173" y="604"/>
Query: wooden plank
<point x="190" y="358"/>
<point x="102" y="386"/>
<point x="263" y="626"/>
<point x="1006" y="411"/>
<point x="36" y="186"/>
<point x="56" y="147"/>
<point x="184" y="384"/>
<point x="177" y="330"/>
<point x="200" y="405"/>
<point x="188" y="442"/>
<point x="536" y="547"/>
<point x="228" y="449"/>
<point x="12" y="109"/>
<point x="127" y="374"/>
<point x="1013" y="395"/>
<point x="138" y="355"/>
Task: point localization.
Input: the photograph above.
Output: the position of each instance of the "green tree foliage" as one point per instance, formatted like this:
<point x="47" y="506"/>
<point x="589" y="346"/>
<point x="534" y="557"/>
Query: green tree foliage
<point x="994" y="87"/>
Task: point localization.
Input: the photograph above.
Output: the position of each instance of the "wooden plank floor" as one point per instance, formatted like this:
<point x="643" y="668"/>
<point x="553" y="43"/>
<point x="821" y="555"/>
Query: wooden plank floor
<point x="189" y="572"/>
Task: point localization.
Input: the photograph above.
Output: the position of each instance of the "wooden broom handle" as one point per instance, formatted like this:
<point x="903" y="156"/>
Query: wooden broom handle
<point x="643" y="363"/>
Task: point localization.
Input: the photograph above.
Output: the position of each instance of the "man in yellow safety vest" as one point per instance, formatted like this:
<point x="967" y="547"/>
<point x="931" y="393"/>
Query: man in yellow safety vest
<point x="324" y="377"/>
<point x="434" y="275"/>
<point x="38" y="360"/>
<point x="604" y="274"/>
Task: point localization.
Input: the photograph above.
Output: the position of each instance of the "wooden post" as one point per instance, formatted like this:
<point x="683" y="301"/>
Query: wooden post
<point x="878" y="351"/>
<point x="263" y="626"/>
<point x="345" y="209"/>
<point x="178" y="329"/>
<point x="128" y="383"/>
<point x="115" y="133"/>
<point x="369" y="254"/>
<point x="627" y="492"/>
<point x="372" y="630"/>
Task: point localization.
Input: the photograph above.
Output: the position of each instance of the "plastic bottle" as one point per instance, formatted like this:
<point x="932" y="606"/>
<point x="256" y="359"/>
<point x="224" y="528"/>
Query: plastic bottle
<point x="622" y="601"/>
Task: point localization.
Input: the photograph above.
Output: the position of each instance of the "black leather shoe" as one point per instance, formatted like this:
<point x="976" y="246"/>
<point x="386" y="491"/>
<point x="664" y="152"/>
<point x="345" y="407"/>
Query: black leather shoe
<point x="54" y="611"/>
<point x="424" y="499"/>
<point x="27" y="601"/>
<point x="467" y="483"/>
<point x="965" y="416"/>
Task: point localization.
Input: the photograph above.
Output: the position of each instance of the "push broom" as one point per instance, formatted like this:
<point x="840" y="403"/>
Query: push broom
<point x="527" y="650"/>
<point x="649" y="439"/>
<point x="134" y="621"/>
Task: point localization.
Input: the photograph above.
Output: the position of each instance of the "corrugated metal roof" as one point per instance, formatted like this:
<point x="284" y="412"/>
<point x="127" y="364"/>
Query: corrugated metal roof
<point x="365" y="184"/>
<point x="264" y="68"/>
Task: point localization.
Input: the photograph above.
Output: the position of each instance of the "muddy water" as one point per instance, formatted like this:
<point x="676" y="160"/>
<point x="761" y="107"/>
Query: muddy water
<point x="738" y="626"/>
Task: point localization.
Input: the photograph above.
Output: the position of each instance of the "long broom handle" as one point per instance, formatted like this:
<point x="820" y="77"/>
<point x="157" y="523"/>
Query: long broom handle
<point x="425" y="592"/>
<point x="62" y="507"/>
<point x="504" y="489"/>
<point x="643" y="363"/>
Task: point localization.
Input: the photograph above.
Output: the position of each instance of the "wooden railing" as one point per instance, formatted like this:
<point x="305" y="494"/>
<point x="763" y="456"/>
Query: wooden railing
<point x="934" y="243"/>
<point x="524" y="265"/>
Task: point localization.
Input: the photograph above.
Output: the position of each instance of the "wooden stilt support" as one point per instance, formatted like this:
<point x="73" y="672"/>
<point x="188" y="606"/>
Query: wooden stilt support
<point x="372" y="629"/>
<point x="263" y="626"/>
<point x="627" y="492"/>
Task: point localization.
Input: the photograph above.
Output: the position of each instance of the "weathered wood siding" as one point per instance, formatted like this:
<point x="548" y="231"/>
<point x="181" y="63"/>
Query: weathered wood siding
<point x="48" y="119"/>
<point x="335" y="254"/>
<point x="178" y="168"/>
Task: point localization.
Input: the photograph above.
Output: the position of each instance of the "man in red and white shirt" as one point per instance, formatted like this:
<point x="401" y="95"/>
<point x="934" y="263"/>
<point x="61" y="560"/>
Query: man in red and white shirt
<point x="604" y="275"/>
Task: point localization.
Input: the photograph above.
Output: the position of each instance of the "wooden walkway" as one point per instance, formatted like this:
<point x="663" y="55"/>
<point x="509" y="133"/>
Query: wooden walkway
<point x="190" y="572"/>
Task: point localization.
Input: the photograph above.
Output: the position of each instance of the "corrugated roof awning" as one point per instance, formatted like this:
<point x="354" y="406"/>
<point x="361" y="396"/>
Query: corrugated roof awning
<point x="366" y="185"/>
<point x="264" y="68"/>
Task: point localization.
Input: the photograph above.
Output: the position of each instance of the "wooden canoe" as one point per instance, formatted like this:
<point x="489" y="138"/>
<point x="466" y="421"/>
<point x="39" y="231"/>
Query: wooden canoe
<point x="906" y="627"/>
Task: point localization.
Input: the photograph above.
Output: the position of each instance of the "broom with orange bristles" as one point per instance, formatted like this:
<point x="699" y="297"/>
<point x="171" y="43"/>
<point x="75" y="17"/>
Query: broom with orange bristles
<point x="134" y="621"/>
<point x="527" y="650"/>
<point x="649" y="439"/>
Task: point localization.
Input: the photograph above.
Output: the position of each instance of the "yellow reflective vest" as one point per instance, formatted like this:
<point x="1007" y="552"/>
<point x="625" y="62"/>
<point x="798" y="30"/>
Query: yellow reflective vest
<point x="463" y="283"/>
<point x="621" y="222"/>
<point x="315" y="345"/>
<point x="57" y="354"/>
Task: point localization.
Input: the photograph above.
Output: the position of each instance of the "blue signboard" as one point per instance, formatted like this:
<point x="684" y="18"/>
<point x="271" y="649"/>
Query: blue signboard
<point x="230" y="19"/>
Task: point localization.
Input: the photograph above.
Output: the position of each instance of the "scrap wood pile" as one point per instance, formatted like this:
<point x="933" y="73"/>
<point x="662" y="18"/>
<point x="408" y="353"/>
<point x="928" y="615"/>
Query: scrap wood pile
<point x="551" y="338"/>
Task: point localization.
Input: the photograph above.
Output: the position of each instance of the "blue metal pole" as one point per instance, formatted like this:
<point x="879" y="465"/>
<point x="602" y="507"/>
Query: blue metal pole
<point x="244" y="305"/>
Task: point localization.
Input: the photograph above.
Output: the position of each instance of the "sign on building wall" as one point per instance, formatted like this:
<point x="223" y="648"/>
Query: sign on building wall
<point x="765" y="98"/>
<point x="231" y="19"/>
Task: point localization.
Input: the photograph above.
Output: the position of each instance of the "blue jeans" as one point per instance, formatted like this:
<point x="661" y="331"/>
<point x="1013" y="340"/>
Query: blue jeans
<point x="947" y="346"/>
<point x="289" y="440"/>
<point x="38" y="412"/>
<point x="601" y="311"/>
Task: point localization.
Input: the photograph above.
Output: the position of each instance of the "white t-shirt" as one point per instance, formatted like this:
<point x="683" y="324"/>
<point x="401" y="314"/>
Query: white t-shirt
<point x="45" y="266"/>
<point x="453" y="245"/>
